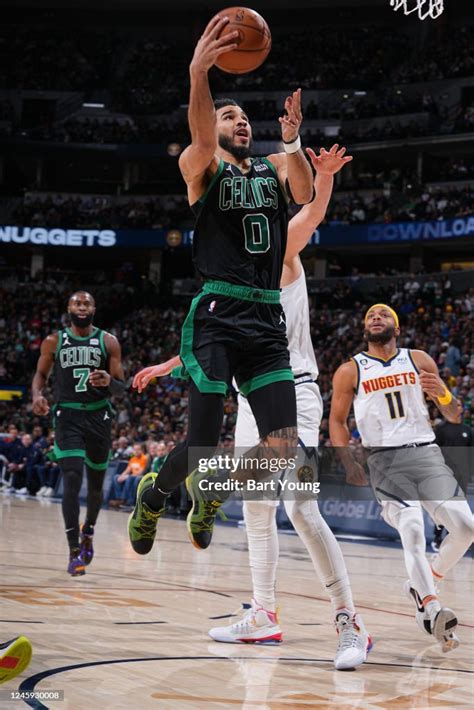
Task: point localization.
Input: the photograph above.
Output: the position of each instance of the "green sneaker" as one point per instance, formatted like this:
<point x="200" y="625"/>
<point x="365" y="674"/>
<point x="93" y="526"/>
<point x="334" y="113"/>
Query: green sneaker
<point x="202" y="516"/>
<point x="143" y="520"/>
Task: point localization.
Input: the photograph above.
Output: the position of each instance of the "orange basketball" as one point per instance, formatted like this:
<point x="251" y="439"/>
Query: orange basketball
<point x="254" y="40"/>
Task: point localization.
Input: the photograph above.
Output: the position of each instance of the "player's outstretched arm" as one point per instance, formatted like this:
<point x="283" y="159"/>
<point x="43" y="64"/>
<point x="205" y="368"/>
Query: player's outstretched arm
<point x="43" y="370"/>
<point x="142" y="378"/>
<point x="197" y="158"/>
<point x="301" y="227"/>
<point x="292" y="165"/>
<point x="433" y="386"/>
<point x="343" y="386"/>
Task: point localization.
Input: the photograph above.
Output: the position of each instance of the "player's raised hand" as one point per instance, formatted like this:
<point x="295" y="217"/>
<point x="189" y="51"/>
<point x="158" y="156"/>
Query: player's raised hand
<point x="291" y="122"/>
<point x="143" y="378"/>
<point x="40" y="406"/>
<point x="431" y="384"/>
<point x="213" y="42"/>
<point x="329" y="162"/>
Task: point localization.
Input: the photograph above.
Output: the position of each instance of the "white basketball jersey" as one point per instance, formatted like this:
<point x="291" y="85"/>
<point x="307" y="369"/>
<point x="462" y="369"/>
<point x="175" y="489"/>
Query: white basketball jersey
<point x="389" y="405"/>
<point x="295" y="303"/>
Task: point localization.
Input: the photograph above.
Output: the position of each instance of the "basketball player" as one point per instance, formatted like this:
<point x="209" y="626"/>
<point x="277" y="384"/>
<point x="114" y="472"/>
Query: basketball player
<point x="407" y="470"/>
<point x="15" y="656"/>
<point x="235" y="326"/>
<point x="87" y="371"/>
<point x="260" y="623"/>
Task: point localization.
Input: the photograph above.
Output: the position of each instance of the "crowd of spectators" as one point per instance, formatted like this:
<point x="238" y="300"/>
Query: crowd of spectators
<point x="115" y="130"/>
<point x="452" y="169"/>
<point x="62" y="210"/>
<point x="141" y="73"/>
<point x="56" y="59"/>
<point x="97" y="211"/>
<point x="433" y="317"/>
<point x="438" y="59"/>
<point x="422" y="204"/>
<point x="25" y="466"/>
<point x="149" y="82"/>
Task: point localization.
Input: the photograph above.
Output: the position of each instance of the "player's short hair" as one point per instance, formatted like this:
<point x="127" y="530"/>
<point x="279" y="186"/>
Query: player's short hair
<point x="220" y="103"/>
<point x="81" y="290"/>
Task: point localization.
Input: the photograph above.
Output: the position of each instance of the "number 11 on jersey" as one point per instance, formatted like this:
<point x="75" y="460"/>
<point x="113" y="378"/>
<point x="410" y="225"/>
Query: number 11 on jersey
<point x="395" y="404"/>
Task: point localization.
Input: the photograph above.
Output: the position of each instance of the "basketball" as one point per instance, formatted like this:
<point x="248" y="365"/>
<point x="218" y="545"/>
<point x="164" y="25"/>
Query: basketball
<point x="254" y="41"/>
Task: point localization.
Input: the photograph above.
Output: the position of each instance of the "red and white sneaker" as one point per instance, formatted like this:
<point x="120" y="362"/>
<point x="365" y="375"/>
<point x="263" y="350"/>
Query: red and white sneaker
<point x="257" y="625"/>
<point x="354" y="642"/>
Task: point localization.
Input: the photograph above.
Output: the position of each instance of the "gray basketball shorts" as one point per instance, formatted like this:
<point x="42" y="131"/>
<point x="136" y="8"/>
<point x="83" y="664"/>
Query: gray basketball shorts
<point x="412" y="474"/>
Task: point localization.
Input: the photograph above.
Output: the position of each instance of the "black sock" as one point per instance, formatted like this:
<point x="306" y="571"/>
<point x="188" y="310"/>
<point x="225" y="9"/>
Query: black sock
<point x="73" y="538"/>
<point x="87" y="528"/>
<point x="155" y="499"/>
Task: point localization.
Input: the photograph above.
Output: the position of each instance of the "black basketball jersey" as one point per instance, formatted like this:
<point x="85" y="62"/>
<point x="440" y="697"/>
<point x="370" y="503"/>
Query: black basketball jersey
<point x="74" y="360"/>
<point x="241" y="229"/>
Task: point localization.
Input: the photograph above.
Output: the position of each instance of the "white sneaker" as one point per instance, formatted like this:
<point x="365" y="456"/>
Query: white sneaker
<point x="22" y="491"/>
<point x="421" y="617"/>
<point x="42" y="491"/>
<point x="48" y="492"/>
<point x="443" y="624"/>
<point x="256" y="626"/>
<point x="354" y="642"/>
<point x="440" y="625"/>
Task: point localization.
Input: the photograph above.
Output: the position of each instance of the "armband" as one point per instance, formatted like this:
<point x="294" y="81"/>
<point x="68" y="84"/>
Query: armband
<point x="447" y="397"/>
<point x="116" y="387"/>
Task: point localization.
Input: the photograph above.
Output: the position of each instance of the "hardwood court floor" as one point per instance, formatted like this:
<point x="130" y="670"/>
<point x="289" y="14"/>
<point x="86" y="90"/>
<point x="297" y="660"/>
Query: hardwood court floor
<point x="131" y="633"/>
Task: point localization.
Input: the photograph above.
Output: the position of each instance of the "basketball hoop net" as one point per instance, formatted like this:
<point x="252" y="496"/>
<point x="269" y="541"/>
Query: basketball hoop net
<point x="433" y="9"/>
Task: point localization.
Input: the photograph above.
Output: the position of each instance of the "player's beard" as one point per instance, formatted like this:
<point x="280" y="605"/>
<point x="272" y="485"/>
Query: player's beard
<point x="81" y="322"/>
<point x="240" y="152"/>
<point x="382" y="337"/>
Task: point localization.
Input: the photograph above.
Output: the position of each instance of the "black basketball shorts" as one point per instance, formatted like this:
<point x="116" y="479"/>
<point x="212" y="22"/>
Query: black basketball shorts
<point x="84" y="434"/>
<point x="235" y="331"/>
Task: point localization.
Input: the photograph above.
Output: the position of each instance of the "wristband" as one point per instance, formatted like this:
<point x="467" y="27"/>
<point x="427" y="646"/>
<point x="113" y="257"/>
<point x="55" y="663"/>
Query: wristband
<point x="116" y="387"/>
<point x="447" y="397"/>
<point x="293" y="146"/>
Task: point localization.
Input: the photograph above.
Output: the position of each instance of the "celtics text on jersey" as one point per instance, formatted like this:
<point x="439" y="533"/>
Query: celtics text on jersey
<point x="74" y="360"/>
<point x="241" y="228"/>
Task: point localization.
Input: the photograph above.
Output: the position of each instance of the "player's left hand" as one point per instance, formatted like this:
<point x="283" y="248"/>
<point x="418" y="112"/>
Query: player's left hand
<point x="290" y="124"/>
<point x="329" y="162"/>
<point x="432" y="384"/>
<point x="143" y="378"/>
<point x="99" y="378"/>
